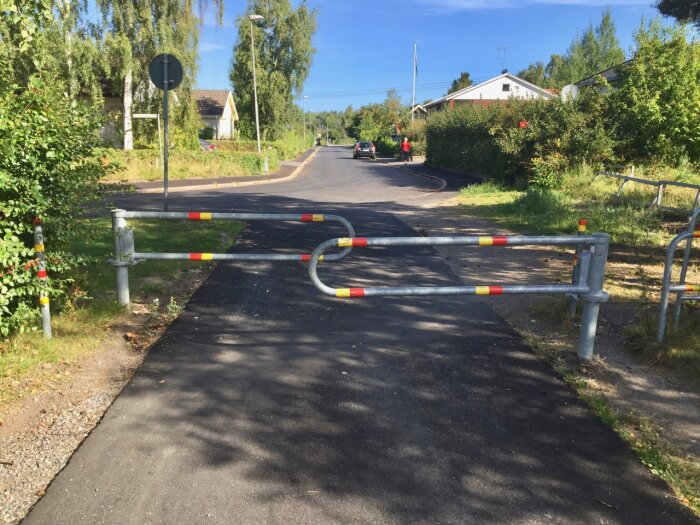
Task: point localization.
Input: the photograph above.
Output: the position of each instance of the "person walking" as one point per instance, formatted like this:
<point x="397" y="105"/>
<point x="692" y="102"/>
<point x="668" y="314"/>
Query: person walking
<point x="405" y="150"/>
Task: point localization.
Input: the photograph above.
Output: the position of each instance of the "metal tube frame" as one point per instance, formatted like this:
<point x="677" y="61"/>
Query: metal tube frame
<point x="125" y="254"/>
<point x="589" y="286"/>
<point x="42" y="276"/>
<point x="692" y="225"/>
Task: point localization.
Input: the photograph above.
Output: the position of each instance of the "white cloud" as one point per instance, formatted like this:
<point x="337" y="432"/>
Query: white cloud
<point x="210" y="47"/>
<point x="474" y="5"/>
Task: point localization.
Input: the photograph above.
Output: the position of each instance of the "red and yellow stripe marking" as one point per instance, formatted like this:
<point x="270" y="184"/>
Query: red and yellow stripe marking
<point x="43" y="300"/>
<point x="696" y="234"/>
<point x="199" y="216"/>
<point x="38" y="247"/>
<point x="307" y="258"/>
<point x="201" y="256"/>
<point x="498" y="240"/>
<point x="489" y="290"/>
<point x="692" y="288"/>
<point x="356" y="242"/>
<point x="350" y="292"/>
<point x="312" y="217"/>
<point x="582" y="225"/>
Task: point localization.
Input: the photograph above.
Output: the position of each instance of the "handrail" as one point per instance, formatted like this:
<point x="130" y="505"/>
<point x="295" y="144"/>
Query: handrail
<point x="660" y="185"/>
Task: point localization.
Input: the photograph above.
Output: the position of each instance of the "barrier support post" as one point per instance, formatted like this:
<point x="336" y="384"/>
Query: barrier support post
<point x="41" y="275"/>
<point x="573" y="299"/>
<point x="123" y="254"/>
<point x="595" y="296"/>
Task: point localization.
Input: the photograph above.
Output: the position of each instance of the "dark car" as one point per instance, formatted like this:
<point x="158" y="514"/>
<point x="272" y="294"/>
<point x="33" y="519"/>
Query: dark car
<point x="364" y="149"/>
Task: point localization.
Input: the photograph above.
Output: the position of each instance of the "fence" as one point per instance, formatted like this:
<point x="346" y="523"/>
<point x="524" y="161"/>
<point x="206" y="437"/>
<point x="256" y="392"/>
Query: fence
<point x="588" y="286"/>
<point x="681" y="288"/>
<point x="660" y="186"/>
<point x="125" y="254"/>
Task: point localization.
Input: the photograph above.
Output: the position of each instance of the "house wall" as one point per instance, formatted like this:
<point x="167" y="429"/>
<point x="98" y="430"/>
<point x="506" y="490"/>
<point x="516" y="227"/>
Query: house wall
<point x="494" y="91"/>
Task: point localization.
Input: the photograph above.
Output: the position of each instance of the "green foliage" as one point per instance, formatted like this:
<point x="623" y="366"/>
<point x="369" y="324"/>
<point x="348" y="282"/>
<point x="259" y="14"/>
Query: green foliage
<point x="657" y="103"/>
<point x="283" y="53"/>
<point x="683" y="10"/>
<point x="462" y="82"/>
<point x="49" y="169"/>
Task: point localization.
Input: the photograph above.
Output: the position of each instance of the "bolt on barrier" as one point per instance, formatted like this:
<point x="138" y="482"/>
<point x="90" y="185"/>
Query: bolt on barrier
<point x="679" y="289"/>
<point x="42" y="275"/>
<point x="125" y="254"/>
<point x="573" y="299"/>
<point x="588" y="287"/>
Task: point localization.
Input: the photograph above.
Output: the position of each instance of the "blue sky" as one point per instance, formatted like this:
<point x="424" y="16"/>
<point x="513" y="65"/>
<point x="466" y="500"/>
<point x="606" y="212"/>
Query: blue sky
<point x="365" y="47"/>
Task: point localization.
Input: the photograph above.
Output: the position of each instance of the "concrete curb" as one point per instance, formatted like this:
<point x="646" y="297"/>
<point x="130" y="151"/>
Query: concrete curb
<point x="433" y="178"/>
<point x="216" y="186"/>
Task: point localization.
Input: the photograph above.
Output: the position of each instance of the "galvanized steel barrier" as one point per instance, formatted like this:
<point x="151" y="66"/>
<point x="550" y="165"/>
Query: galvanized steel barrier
<point x="660" y="186"/>
<point x="679" y="289"/>
<point x="588" y="287"/>
<point x="42" y="276"/>
<point x="125" y="254"/>
<point x="573" y="298"/>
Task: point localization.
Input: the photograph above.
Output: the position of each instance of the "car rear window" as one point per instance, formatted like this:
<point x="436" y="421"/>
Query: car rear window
<point x="365" y="144"/>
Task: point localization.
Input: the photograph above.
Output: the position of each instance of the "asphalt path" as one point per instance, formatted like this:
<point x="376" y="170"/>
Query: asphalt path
<point x="267" y="402"/>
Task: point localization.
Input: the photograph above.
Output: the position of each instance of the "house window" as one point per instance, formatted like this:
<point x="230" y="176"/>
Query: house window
<point x="506" y="87"/>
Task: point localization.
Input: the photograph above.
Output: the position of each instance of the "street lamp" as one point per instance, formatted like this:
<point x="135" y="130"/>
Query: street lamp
<point x="303" y="110"/>
<point x="255" y="85"/>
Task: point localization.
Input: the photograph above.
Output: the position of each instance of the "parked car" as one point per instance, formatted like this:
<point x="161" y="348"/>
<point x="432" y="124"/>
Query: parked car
<point x="206" y="146"/>
<point x="364" y="149"/>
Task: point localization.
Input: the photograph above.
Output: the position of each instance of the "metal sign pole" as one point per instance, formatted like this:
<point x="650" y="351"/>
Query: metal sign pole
<point x="165" y="133"/>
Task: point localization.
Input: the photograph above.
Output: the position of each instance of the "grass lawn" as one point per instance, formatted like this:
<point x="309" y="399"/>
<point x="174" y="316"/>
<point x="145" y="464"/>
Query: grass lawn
<point x="28" y="362"/>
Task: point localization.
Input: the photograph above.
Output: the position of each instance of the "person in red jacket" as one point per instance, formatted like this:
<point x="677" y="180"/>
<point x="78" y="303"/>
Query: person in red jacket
<point x="405" y="150"/>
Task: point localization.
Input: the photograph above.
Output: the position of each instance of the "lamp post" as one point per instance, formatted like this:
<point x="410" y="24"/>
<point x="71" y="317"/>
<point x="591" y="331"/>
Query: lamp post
<point x="255" y="85"/>
<point x="303" y="110"/>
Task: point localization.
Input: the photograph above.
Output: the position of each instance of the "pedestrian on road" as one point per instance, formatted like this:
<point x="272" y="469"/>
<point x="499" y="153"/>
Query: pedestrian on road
<point x="405" y="150"/>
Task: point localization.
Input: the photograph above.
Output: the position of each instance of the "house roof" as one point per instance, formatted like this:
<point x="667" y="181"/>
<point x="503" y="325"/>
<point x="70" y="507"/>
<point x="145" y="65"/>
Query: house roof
<point x="211" y="102"/>
<point x="464" y="91"/>
<point x="611" y="75"/>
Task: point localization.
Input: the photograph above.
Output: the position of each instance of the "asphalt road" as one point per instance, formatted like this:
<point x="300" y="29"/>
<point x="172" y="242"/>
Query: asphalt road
<point x="267" y="402"/>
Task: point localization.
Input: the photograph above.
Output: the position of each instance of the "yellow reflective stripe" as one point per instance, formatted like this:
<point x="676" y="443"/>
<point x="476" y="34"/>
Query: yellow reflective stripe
<point x="482" y="290"/>
<point x="344" y="242"/>
<point x="485" y="241"/>
<point x="342" y="292"/>
<point x="692" y="288"/>
<point x="205" y="216"/>
<point x="43" y="300"/>
<point x="38" y="247"/>
<point x="320" y="259"/>
<point x="207" y="256"/>
<point x="318" y="217"/>
<point x="582" y="227"/>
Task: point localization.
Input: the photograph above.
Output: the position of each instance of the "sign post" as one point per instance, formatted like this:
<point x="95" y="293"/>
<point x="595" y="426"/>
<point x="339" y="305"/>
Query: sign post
<point x="166" y="73"/>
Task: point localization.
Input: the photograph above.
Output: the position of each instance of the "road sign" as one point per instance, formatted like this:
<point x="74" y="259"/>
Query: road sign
<point x="163" y="65"/>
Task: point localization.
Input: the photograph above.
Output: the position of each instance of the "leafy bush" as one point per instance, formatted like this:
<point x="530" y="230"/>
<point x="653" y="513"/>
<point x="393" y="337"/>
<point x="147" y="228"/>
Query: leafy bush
<point x="49" y="168"/>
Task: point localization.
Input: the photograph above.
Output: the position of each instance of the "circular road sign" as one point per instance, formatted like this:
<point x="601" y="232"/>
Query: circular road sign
<point x="156" y="71"/>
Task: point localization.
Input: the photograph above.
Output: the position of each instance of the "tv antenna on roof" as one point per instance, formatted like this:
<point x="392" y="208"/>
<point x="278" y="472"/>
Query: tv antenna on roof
<point x="503" y="57"/>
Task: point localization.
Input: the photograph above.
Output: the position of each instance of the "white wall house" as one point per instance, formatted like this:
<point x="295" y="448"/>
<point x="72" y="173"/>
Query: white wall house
<point x="493" y="91"/>
<point x="217" y="110"/>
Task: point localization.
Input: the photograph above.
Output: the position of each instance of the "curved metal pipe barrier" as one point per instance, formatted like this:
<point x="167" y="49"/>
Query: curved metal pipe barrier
<point x="588" y="286"/>
<point x="125" y="254"/>
<point x="668" y="288"/>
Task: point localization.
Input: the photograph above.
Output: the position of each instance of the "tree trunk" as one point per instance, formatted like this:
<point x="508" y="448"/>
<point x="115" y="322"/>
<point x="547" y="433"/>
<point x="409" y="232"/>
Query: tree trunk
<point x="128" y="101"/>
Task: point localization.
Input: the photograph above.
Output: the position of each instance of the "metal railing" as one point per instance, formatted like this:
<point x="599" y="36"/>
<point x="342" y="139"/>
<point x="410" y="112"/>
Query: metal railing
<point x="125" y="254"/>
<point x="588" y="286"/>
<point x="42" y="276"/>
<point x="660" y="186"/>
<point x="681" y="288"/>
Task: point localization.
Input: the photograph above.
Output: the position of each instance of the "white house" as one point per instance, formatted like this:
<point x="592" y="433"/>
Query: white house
<point x="493" y="91"/>
<point x="218" y="111"/>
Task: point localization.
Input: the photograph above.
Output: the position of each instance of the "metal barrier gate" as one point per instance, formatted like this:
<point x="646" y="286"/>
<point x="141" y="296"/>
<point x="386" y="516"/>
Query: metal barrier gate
<point x="125" y="254"/>
<point x="679" y="289"/>
<point x="588" y="285"/>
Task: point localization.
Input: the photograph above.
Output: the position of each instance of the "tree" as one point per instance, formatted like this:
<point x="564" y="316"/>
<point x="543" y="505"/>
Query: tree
<point x="535" y="74"/>
<point x="283" y="54"/>
<point x="655" y="105"/>
<point x="682" y="10"/>
<point x="462" y="82"/>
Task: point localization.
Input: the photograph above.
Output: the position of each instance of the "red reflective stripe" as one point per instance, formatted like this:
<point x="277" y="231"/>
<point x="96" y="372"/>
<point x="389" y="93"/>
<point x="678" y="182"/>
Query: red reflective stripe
<point x="359" y="242"/>
<point x="495" y="290"/>
<point x="499" y="240"/>
<point x="583" y="222"/>
<point x="193" y="216"/>
<point x="305" y="258"/>
<point x="41" y="274"/>
<point x="307" y="217"/>
<point x="357" y="292"/>
<point x="195" y="257"/>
